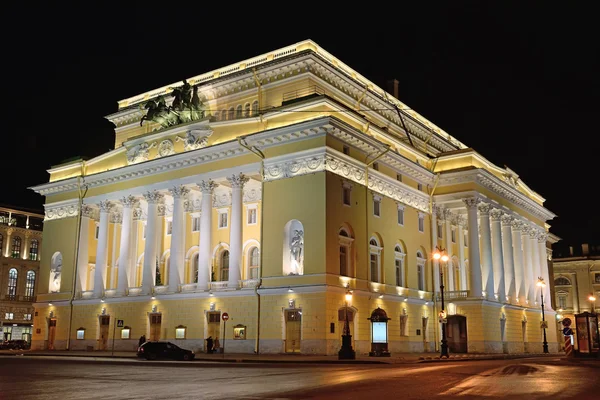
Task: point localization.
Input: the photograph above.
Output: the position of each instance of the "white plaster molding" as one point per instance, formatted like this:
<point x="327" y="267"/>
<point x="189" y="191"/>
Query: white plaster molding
<point x="194" y="139"/>
<point x="139" y="153"/>
<point x="61" y="209"/>
<point x="165" y="148"/>
<point x="252" y="195"/>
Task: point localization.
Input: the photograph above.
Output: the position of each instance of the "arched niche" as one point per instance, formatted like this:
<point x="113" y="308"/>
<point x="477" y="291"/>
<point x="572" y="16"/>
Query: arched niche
<point x="55" y="272"/>
<point x="293" y="248"/>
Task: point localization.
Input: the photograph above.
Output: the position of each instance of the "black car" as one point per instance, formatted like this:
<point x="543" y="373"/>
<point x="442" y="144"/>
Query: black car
<point x="168" y="350"/>
<point x="14" y="345"/>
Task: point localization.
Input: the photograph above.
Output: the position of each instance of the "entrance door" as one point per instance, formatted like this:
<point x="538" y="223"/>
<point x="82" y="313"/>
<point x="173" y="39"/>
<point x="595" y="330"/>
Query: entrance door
<point x="341" y="323"/>
<point x="214" y="324"/>
<point x="155" y="324"/>
<point x="293" y="329"/>
<point x="51" y="333"/>
<point x="103" y="338"/>
<point x="456" y="333"/>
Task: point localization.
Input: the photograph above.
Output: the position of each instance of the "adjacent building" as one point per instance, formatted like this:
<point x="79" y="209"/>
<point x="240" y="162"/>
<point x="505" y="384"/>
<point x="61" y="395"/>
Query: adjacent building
<point x="270" y="189"/>
<point x="21" y="249"/>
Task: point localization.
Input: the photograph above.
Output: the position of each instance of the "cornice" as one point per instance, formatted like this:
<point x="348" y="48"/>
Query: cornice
<point x="497" y="186"/>
<point x="61" y="209"/>
<point x="326" y="159"/>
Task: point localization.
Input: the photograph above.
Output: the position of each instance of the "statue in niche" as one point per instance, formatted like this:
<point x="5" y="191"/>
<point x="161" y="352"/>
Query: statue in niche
<point x="55" y="274"/>
<point x="297" y="253"/>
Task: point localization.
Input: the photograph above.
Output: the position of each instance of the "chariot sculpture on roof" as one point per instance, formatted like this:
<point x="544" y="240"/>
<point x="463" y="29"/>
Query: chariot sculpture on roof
<point x="185" y="107"/>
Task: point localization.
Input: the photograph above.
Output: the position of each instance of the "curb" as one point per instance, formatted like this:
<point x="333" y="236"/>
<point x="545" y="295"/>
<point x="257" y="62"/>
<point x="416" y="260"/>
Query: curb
<point x="483" y="357"/>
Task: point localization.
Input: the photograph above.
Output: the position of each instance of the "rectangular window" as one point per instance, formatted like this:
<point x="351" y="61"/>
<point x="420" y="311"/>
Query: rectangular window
<point x="7" y="332"/>
<point x="399" y="273"/>
<point x="27" y="317"/>
<point x="439" y="231"/>
<point x="80" y="334"/>
<point x="374" y="268"/>
<point x="223" y="220"/>
<point x="346" y="150"/>
<point x="420" y="187"/>
<point x="251" y="216"/>
<point x="169" y="227"/>
<point x="404" y="325"/>
<point x="401" y="216"/>
<point x="343" y="261"/>
<point x="376" y="166"/>
<point x="180" y="333"/>
<point x="126" y="333"/>
<point x="377" y="208"/>
<point x="196" y="224"/>
<point x="97" y="232"/>
<point x="420" y="277"/>
<point x="421" y="223"/>
<point x="399" y="177"/>
<point x="453" y="231"/>
<point x="9" y="315"/>
<point x="562" y="302"/>
<point x="346" y="196"/>
<point x="214" y="317"/>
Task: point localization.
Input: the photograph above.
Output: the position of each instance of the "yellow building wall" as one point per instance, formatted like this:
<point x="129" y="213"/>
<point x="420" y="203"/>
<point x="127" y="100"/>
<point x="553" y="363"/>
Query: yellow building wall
<point x="58" y="236"/>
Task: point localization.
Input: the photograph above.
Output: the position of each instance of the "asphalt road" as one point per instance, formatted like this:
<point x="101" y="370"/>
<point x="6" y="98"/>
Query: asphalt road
<point x="29" y="378"/>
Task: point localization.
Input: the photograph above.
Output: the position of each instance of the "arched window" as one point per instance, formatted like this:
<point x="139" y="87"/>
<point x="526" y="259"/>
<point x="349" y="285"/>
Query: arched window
<point x="230" y="113"/>
<point x="195" y="267"/>
<point x="253" y="263"/>
<point x="345" y="242"/>
<point x="12" y="284"/>
<point x="562" y="281"/>
<point x="255" y="108"/>
<point x="399" y="266"/>
<point x="33" y="250"/>
<point x="238" y="111"/>
<point x="16" y="247"/>
<point x="30" y="286"/>
<point x="375" y="261"/>
<point x="225" y="265"/>
<point x="246" y="110"/>
<point x="420" y="271"/>
<point x="223" y="115"/>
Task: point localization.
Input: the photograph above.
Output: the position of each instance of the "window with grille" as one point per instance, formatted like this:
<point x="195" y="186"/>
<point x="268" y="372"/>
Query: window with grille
<point x="214" y="317"/>
<point x="169" y="227"/>
<point x="346" y="196"/>
<point x="247" y="110"/>
<point x="33" y="250"/>
<point x="421" y="223"/>
<point x="420" y="277"/>
<point x="195" y="224"/>
<point x="401" y="216"/>
<point x="16" y="247"/>
<point x="238" y="111"/>
<point x="254" y="263"/>
<point x="377" y="208"/>
<point x="251" y="216"/>
<point x="453" y="232"/>
<point x="225" y="266"/>
<point x="12" y="284"/>
<point x="255" y="107"/>
<point x="223" y="220"/>
<point x="29" y="286"/>
<point x="562" y="301"/>
<point x="399" y="277"/>
<point x="294" y="315"/>
<point x="343" y="260"/>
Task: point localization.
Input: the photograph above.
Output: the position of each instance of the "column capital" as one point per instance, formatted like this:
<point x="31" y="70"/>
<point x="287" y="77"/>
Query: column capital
<point x="138" y="214"/>
<point x="161" y="209"/>
<point x="238" y="181"/>
<point x="179" y="191"/>
<point x="471" y="202"/>
<point x="461" y="221"/>
<point x="116" y="217"/>
<point x="517" y="225"/>
<point x="484" y="208"/>
<point x="88" y="211"/>
<point x="154" y="197"/>
<point x="128" y="201"/>
<point x="507" y="219"/>
<point x="105" y="206"/>
<point x="533" y="233"/>
<point x="542" y="237"/>
<point x="496" y="214"/>
<point x="207" y="186"/>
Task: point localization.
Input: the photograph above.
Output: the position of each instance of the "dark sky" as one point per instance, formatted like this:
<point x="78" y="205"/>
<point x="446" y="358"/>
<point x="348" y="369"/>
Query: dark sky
<point x="518" y="82"/>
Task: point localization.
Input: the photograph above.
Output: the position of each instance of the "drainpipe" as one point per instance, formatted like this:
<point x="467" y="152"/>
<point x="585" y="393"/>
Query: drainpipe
<point x="433" y="299"/>
<point x="261" y="155"/>
<point x="81" y="192"/>
<point x="367" y="165"/>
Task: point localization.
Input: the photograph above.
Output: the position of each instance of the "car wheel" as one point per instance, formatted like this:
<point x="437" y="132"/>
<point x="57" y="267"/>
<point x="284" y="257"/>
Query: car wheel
<point x="186" y="357"/>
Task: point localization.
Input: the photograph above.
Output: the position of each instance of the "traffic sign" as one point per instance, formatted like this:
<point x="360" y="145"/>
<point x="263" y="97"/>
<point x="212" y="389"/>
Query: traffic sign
<point x="566" y="321"/>
<point x="567" y="331"/>
<point x="544" y="324"/>
<point x="120" y="323"/>
<point x="225" y="316"/>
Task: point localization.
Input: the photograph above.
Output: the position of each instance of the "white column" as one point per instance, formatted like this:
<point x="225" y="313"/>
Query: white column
<point x="150" y="246"/>
<point x="449" y="266"/>
<point x="487" y="270"/>
<point x="518" y="258"/>
<point x="83" y="252"/>
<point x="116" y="217"/>
<point x="436" y="264"/>
<point x="125" y="245"/>
<point x="474" y="260"/>
<point x="509" y="266"/>
<point x="498" y="256"/>
<point x="461" y="254"/>
<point x="527" y="268"/>
<point x="176" y="263"/>
<point x="102" y="249"/>
<point x="235" y="233"/>
<point x="544" y="268"/>
<point x="205" y="244"/>
<point x="535" y="263"/>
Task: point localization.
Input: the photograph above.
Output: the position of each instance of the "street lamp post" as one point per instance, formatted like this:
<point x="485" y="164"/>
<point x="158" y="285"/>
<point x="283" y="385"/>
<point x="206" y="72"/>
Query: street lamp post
<point x="346" y="352"/>
<point x="440" y="254"/>
<point x="542" y="285"/>
<point x="592" y="300"/>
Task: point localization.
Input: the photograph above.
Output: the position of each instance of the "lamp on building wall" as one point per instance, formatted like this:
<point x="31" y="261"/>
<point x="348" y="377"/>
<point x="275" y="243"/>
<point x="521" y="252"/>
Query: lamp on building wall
<point x="440" y="255"/>
<point x="592" y="300"/>
<point x="346" y="352"/>
<point x="542" y="285"/>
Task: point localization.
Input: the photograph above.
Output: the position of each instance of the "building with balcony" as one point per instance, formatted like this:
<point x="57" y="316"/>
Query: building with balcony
<point x="21" y="249"/>
<point x="268" y="190"/>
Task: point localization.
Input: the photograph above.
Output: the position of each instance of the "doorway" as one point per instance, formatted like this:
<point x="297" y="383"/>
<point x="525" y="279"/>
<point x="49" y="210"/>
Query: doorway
<point x="456" y="333"/>
<point x="293" y="331"/>
<point x="104" y="321"/>
<point x="51" y="333"/>
<point x="155" y="325"/>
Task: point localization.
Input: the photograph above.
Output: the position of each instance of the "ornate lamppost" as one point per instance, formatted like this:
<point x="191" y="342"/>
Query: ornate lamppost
<point x="440" y="255"/>
<point x="346" y="352"/>
<point x="592" y="300"/>
<point x="542" y="285"/>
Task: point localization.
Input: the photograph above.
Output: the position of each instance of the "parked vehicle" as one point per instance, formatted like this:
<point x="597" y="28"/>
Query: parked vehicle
<point x="164" y="350"/>
<point x="14" y="345"/>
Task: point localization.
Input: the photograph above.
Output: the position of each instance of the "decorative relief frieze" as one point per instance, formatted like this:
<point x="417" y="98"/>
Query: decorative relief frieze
<point x="139" y="153"/>
<point x="252" y="195"/>
<point x="195" y="139"/>
<point x="165" y="148"/>
<point x="53" y="212"/>
<point x="222" y="199"/>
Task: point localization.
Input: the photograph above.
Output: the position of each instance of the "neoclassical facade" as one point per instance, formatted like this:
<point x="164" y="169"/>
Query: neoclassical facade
<point x="20" y="252"/>
<point x="268" y="190"/>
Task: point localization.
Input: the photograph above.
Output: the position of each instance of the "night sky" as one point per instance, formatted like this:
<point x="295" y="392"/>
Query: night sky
<point x="518" y="83"/>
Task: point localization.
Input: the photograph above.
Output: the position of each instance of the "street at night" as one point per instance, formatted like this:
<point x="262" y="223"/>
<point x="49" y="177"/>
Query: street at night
<point x="31" y="378"/>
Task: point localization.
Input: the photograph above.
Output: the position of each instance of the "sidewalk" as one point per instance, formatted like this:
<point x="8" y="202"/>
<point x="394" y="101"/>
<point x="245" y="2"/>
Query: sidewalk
<point x="396" y="358"/>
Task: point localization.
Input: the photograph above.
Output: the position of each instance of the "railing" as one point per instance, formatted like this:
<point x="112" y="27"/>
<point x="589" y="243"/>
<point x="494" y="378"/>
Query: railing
<point x="110" y="293"/>
<point x="10" y="297"/>
<point x="220" y="285"/>
<point x="135" y="291"/>
<point x="304" y="92"/>
<point x="161" y="289"/>
<point x="249" y="283"/>
<point x="189" y="287"/>
<point x="454" y="295"/>
<point x="89" y="294"/>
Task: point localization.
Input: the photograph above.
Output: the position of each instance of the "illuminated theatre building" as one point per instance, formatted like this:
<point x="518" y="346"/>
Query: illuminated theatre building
<point x="269" y="190"/>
